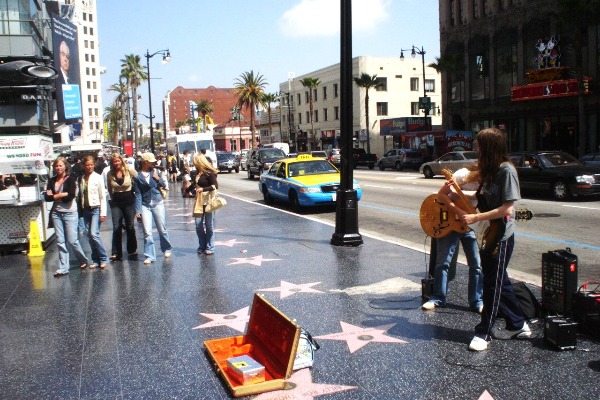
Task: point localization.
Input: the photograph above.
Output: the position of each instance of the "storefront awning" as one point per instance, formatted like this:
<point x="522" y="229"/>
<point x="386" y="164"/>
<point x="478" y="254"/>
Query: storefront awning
<point x="25" y="154"/>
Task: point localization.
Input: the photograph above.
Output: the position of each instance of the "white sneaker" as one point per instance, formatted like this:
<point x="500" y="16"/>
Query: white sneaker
<point x="147" y="261"/>
<point x="506" y="334"/>
<point x="478" y="344"/>
<point x="430" y="305"/>
<point x="480" y="309"/>
<point x="168" y="253"/>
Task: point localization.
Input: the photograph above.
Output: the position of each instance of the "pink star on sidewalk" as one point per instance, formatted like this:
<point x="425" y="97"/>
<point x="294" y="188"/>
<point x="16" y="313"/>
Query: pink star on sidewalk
<point x="229" y="243"/>
<point x="357" y="337"/>
<point x="236" y="320"/>
<point x="287" y="289"/>
<point x="256" y="260"/>
<point x="301" y="387"/>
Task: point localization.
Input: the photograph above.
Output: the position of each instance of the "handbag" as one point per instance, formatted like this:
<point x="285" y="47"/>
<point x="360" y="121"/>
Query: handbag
<point x="214" y="202"/>
<point x="305" y="355"/>
<point x="198" y="206"/>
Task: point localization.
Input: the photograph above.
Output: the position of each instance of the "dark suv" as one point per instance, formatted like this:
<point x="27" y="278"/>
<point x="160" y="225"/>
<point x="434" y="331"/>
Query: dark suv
<point x="260" y="160"/>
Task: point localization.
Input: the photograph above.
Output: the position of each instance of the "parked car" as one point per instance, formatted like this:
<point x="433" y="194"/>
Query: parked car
<point x="360" y="157"/>
<point x="452" y="161"/>
<point x="557" y="173"/>
<point x="335" y="157"/>
<point x="243" y="159"/>
<point x="302" y="181"/>
<point x="227" y="161"/>
<point x="261" y="159"/>
<point x="399" y="159"/>
<point x="591" y="159"/>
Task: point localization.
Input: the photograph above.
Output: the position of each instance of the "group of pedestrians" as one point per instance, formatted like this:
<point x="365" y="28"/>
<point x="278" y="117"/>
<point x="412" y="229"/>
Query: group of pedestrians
<point x="493" y="186"/>
<point x="80" y="204"/>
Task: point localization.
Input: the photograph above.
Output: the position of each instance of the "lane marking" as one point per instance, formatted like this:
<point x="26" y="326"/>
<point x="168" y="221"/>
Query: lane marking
<point x="585" y="208"/>
<point x="380" y="187"/>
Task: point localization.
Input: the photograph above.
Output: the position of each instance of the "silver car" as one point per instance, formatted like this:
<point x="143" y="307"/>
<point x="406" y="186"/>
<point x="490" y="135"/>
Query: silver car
<point x="452" y="161"/>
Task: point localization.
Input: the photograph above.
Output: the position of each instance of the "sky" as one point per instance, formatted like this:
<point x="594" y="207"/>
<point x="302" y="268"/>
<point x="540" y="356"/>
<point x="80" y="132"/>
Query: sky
<point x="213" y="42"/>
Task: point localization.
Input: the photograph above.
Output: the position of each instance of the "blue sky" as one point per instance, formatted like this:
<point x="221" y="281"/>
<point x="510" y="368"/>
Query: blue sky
<point x="214" y="42"/>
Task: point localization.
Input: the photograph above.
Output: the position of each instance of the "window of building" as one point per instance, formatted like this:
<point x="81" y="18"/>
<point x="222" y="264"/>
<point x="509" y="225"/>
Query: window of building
<point x="299" y="118"/>
<point x="95" y="98"/>
<point x="414" y="108"/>
<point x="87" y="71"/>
<point x="506" y="69"/>
<point x="299" y="98"/>
<point x="91" y="31"/>
<point x="382" y="85"/>
<point x="382" y="108"/>
<point x="479" y="77"/>
<point x="429" y="85"/>
<point x="85" y="16"/>
<point x="475" y="9"/>
<point x="93" y="85"/>
<point x="324" y="92"/>
<point x="414" y="84"/>
<point x="85" y="44"/>
<point x="307" y="116"/>
<point x="89" y="98"/>
<point x="85" y="30"/>
<point x="87" y="57"/>
<point x="93" y="58"/>
<point x="315" y="96"/>
<point x="306" y="99"/>
<point x="316" y="116"/>
<point x="335" y="91"/>
<point x="461" y="13"/>
<point x="336" y="113"/>
<point x="325" y="114"/>
<point x="92" y="44"/>
<point x="93" y="71"/>
<point x="452" y="15"/>
<point x="91" y="18"/>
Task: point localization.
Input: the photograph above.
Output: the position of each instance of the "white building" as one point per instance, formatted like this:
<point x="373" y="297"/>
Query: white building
<point x="398" y="96"/>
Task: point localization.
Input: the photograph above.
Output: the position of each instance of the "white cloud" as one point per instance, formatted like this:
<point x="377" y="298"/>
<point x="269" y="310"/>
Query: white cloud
<point x="315" y="18"/>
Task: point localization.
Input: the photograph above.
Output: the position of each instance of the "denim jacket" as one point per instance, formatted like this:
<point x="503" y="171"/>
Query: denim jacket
<point x="147" y="193"/>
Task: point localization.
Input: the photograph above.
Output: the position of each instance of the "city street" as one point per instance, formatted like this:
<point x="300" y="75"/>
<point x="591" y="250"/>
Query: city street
<point x="390" y="207"/>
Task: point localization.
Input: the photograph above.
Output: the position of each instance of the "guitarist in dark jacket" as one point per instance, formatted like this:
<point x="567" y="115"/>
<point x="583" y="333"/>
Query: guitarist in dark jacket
<point x="496" y="197"/>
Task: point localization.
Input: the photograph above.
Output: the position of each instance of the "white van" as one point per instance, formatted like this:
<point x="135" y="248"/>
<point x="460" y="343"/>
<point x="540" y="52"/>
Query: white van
<point x="279" y="145"/>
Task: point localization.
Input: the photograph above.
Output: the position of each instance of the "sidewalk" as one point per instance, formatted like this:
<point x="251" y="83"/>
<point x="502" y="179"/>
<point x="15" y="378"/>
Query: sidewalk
<point x="136" y="331"/>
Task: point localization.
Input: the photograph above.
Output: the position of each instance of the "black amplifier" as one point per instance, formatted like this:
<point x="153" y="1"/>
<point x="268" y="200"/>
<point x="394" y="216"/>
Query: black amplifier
<point x="559" y="281"/>
<point x="560" y="333"/>
<point x="586" y="309"/>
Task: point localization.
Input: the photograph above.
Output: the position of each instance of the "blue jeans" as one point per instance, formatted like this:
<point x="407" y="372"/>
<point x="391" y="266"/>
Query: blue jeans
<point x="205" y="230"/>
<point x="446" y="246"/>
<point x="91" y="218"/>
<point x="156" y="212"/>
<point x="65" y="227"/>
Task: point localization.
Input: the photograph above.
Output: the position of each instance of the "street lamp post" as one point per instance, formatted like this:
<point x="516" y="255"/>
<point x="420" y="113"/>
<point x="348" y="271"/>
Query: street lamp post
<point x="166" y="58"/>
<point x="235" y="111"/>
<point x="425" y="104"/>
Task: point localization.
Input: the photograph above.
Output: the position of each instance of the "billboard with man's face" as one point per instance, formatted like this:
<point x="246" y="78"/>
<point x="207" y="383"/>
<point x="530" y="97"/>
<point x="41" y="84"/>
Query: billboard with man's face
<point x="66" y="62"/>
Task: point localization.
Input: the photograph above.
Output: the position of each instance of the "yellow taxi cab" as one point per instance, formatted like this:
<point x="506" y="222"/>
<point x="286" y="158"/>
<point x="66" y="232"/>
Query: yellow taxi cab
<point x="302" y="181"/>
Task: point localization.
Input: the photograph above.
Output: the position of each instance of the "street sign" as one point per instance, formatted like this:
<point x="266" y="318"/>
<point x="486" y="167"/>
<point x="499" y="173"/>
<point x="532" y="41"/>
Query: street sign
<point x="425" y="103"/>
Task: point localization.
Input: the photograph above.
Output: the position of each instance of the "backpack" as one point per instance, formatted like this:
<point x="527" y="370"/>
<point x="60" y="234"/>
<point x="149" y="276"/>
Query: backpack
<point x="529" y="303"/>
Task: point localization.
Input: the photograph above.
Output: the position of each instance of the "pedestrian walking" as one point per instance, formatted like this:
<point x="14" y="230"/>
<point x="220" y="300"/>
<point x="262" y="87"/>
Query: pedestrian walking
<point x="62" y="191"/>
<point x="149" y="205"/>
<point x="122" y="195"/>
<point x="92" y="201"/>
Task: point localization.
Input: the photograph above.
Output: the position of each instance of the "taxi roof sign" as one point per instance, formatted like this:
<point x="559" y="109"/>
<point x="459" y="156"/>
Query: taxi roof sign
<point x="304" y="157"/>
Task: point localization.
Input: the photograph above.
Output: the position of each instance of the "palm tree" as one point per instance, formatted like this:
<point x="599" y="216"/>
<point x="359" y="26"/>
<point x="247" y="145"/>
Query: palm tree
<point x="120" y="102"/>
<point x="267" y="99"/>
<point x="204" y="107"/>
<point x="311" y="83"/>
<point x="112" y="115"/>
<point x="367" y="81"/>
<point x="250" y="88"/>
<point x="134" y="74"/>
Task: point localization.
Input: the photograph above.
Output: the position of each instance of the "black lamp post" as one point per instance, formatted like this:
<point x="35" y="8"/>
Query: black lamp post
<point x="424" y="104"/>
<point x="166" y="58"/>
<point x="346" y="215"/>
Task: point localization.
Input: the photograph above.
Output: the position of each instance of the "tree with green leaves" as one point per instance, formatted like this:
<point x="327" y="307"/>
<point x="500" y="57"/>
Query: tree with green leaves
<point x="112" y="116"/>
<point x="367" y="81"/>
<point x="204" y="107"/>
<point x="267" y="100"/>
<point x="121" y="103"/>
<point x="250" y="88"/>
<point x="134" y="74"/>
<point x="311" y="83"/>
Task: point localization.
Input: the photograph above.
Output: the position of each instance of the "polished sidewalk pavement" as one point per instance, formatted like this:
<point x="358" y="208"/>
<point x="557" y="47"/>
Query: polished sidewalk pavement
<point x="136" y="331"/>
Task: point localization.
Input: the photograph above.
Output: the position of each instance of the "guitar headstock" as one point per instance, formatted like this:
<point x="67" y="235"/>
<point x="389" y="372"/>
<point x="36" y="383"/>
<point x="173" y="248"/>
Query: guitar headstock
<point x="523" y="214"/>
<point x="447" y="173"/>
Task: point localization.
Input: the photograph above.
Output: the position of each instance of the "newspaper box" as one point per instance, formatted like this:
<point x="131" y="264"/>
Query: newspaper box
<point x="271" y="341"/>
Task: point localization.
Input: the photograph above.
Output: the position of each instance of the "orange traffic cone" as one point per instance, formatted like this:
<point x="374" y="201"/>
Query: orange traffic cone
<point x="35" y="244"/>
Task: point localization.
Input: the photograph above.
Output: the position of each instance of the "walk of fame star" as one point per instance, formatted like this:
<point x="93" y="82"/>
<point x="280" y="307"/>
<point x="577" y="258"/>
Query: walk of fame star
<point x="229" y="243"/>
<point x="301" y="387"/>
<point x="256" y="260"/>
<point x="236" y="320"/>
<point x="357" y="337"/>
<point x="486" y="396"/>
<point x="287" y="289"/>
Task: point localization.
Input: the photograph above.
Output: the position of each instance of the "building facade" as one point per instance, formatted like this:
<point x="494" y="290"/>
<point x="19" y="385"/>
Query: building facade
<point x="525" y="66"/>
<point x="398" y="96"/>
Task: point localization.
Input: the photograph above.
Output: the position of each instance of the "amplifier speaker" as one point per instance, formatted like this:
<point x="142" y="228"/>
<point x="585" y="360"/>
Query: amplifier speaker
<point x="560" y="333"/>
<point x="559" y="281"/>
<point x="586" y="310"/>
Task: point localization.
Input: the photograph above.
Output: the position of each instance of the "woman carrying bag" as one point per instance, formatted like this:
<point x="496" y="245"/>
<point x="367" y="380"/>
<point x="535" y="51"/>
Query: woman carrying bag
<point x="120" y="190"/>
<point x="204" y="183"/>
